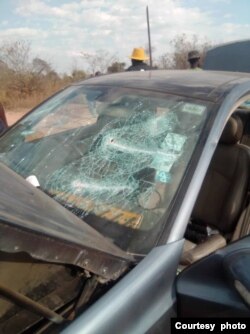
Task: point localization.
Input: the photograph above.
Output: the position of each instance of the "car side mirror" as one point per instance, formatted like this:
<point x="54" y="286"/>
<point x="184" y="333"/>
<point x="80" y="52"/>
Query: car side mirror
<point x="237" y="269"/>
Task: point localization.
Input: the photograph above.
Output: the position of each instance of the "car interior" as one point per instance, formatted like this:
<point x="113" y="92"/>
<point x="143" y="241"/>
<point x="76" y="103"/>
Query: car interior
<point x="221" y="213"/>
<point x="218" y="284"/>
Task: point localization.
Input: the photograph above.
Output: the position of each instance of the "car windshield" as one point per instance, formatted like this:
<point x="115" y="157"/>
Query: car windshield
<point x="113" y="156"/>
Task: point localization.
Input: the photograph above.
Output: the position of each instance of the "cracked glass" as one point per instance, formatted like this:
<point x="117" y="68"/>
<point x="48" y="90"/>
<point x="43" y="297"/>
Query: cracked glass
<point x="115" y="157"/>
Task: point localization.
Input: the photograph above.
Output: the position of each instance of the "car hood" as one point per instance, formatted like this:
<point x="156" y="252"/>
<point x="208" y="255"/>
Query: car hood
<point x="32" y="222"/>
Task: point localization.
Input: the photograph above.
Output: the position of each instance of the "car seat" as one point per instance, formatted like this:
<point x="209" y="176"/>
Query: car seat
<point x="221" y="198"/>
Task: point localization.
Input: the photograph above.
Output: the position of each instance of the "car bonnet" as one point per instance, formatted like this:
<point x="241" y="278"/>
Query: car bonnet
<point x="32" y="222"/>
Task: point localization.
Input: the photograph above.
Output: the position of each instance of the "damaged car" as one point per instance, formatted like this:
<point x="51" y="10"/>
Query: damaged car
<point x="124" y="203"/>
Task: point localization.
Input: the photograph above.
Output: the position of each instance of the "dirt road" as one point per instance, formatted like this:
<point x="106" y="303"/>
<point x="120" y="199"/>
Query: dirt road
<point x="14" y="115"/>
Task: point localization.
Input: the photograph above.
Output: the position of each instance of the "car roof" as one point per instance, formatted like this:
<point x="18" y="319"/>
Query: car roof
<point x="232" y="56"/>
<point x="203" y="85"/>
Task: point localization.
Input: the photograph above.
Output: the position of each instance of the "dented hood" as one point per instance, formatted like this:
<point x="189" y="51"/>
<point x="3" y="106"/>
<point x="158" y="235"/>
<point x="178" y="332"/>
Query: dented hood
<point x="32" y="222"/>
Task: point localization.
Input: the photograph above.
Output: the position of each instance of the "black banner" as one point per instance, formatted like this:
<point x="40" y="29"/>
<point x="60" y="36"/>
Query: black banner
<point x="210" y="325"/>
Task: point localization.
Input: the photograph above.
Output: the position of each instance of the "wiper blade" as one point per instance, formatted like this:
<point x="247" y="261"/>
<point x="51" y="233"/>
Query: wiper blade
<point x="29" y="304"/>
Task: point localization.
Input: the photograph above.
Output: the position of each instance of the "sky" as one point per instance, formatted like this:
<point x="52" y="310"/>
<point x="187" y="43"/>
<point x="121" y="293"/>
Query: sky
<point x="59" y="30"/>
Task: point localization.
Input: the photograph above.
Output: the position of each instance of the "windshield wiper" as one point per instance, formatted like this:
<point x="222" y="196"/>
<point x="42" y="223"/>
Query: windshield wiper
<point x="30" y="305"/>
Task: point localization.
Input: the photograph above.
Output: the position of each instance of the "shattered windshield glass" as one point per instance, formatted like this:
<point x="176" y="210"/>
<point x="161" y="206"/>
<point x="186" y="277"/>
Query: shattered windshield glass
<point x="115" y="157"/>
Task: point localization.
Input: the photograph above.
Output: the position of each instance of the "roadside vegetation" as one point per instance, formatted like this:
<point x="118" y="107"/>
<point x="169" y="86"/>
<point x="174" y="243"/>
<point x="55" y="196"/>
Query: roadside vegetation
<point x="26" y="81"/>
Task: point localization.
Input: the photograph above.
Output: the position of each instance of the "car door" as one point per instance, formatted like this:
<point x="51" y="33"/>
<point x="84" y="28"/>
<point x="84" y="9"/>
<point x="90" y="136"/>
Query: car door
<point x="142" y="302"/>
<point x="218" y="285"/>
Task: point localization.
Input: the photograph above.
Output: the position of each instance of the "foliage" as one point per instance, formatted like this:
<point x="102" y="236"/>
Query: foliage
<point x="40" y="66"/>
<point x="98" y="61"/>
<point x="16" y="55"/>
<point x="181" y="45"/>
<point x="78" y="75"/>
<point x="116" y="67"/>
<point x="26" y="81"/>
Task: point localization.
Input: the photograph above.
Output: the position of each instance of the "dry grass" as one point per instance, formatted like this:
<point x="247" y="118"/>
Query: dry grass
<point x="12" y="99"/>
<point x="26" y="103"/>
<point x="16" y="106"/>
